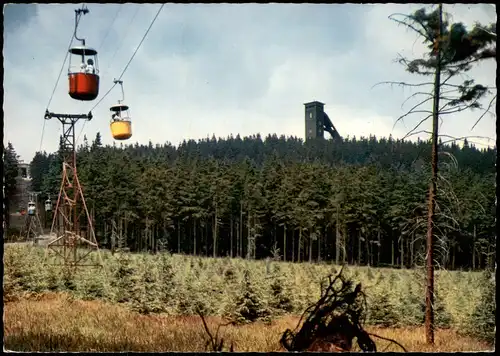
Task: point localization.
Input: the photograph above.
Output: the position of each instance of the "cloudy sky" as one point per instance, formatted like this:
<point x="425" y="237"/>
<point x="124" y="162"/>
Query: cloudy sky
<point x="222" y="69"/>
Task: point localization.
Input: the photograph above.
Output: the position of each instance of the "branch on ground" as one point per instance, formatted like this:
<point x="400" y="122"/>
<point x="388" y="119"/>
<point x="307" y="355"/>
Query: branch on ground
<point x="333" y="322"/>
<point x="213" y="342"/>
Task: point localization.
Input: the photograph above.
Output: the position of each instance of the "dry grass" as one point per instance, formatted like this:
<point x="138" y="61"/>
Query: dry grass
<point x="57" y="322"/>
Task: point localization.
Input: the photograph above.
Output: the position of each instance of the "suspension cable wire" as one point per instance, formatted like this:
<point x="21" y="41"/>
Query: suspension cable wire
<point x="126" y="67"/>
<point x="60" y="71"/>
<point x="57" y="82"/>
<point x="133" y="55"/>
<point x="123" y="38"/>
<point x="110" y="26"/>
<point x="140" y="43"/>
<point x="41" y="138"/>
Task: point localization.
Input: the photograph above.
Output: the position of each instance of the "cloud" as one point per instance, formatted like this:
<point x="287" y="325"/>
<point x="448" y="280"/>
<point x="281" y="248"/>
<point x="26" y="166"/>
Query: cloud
<point x="221" y="69"/>
<point x="15" y="16"/>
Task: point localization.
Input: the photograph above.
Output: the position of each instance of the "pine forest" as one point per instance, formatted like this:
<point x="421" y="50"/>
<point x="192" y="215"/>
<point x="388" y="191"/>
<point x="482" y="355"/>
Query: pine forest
<point x="362" y="201"/>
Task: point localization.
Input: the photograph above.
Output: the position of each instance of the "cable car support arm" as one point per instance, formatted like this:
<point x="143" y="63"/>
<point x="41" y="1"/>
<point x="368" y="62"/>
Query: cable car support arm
<point x="68" y="138"/>
<point x="117" y="81"/>
<point x="78" y="14"/>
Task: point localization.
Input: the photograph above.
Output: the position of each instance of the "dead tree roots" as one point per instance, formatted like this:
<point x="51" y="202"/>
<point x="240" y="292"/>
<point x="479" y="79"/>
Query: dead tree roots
<point x="334" y="322"/>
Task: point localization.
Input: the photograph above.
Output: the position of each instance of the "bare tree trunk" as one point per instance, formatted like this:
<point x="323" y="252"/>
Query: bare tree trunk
<point x="215" y="233"/>
<point x="274" y="234"/>
<point x="445" y="256"/>
<point x="310" y="248"/>
<point x="106" y="235"/>
<point x="453" y="253"/>
<point x="368" y="253"/>
<point x="489" y="255"/>
<point x="412" y="250"/>
<point x="300" y="245"/>
<point x="150" y="237"/>
<point x="241" y="229"/>
<point x="113" y="236"/>
<point x="203" y="239"/>
<point x="402" y="252"/>
<point x="474" y="249"/>
<point x="248" y="236"/>
<point x="231" y="236"/>
<point x="344" y="237"/>
<point x="149" y="240"/>
<point x="120" y="233"/>
<point x="194" y="237"/>
<point x="134" y="239"/>
<point x="372" y="254"/>
<point x="238" y="239"/>
<point x="408" y="250"/>
<point x="293" y="245"/>
<point x="156" y="238"/>
<point x="254" y="238"/>
<point x="429" y="307"/>
<point x="393" y="252"/>
<point x="379" y="245"/>
<point x="319" y="247"/>
<point x="146" y="239"/>
<point x="337" y="241"/>
<point x="125" y="232"/>
<point x="359" y="248"/>
<point x="284" y="242"/>
<point x="178" y="236"/>
<point x="333" y="250"/>
<point x="207" y="253"/>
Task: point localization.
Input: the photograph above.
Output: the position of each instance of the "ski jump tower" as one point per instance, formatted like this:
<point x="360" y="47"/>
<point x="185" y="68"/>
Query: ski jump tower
<point x="317" y="122"/>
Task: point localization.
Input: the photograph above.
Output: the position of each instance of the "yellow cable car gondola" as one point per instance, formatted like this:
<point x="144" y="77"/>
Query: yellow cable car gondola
<point x="121" y="126"/>
<point x="84" y="74"/>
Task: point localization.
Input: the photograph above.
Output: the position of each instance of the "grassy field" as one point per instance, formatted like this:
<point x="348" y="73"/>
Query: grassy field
<point x="106" y="310"/>
<point x="56" y="322"/>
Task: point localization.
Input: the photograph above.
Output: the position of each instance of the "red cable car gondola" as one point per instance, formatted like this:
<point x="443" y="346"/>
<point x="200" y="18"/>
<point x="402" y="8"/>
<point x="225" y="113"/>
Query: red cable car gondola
<point x="84" y="74"/>
<point x="84" y="77"/>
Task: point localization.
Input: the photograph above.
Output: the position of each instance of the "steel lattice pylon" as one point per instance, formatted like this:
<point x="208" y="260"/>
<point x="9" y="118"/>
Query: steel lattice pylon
<point x="70" y="198"/>
<point x="32" y="225"/>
